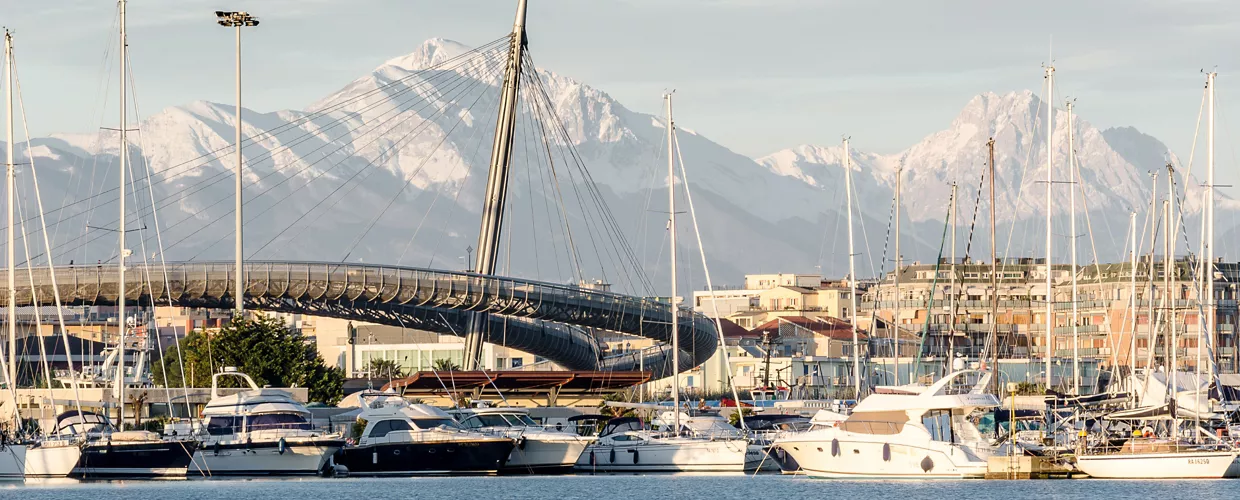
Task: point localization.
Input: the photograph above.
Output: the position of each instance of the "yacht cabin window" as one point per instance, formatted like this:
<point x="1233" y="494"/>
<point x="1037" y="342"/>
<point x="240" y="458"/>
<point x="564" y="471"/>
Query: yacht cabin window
<point x="382" y="428"/>
<point x="939" y="424"/>
<point x="223" y="426"/>
<point x="431" y="423"/>
<point x="277" y="421"/>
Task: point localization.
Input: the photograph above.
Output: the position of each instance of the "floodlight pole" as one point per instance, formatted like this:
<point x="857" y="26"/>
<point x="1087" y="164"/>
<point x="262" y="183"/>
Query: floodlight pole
<point x="237" y="20"/>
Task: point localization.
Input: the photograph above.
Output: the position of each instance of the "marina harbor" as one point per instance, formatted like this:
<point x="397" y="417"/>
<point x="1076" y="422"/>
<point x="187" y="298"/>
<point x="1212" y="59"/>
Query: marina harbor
<point x="464" y="272"/>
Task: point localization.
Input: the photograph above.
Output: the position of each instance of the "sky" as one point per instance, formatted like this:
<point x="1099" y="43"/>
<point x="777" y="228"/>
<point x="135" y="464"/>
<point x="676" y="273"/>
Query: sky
<point x="754" y="75"/>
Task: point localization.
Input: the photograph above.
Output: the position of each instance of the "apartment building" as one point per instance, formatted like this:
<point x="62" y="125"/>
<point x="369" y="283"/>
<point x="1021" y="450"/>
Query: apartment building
<point x="954" y="306"/>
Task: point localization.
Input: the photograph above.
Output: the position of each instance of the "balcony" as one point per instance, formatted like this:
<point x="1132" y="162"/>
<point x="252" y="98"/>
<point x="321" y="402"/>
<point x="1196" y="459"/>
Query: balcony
<point x="1082" y="304"/>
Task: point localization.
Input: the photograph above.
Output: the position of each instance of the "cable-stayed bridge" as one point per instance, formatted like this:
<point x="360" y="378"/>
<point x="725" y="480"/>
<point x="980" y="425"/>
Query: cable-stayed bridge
<point x="554" y="321"/>
<point x="336" y="146"/>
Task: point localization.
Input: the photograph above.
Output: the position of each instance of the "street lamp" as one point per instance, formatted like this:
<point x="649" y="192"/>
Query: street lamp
<point x="238" y="20"/>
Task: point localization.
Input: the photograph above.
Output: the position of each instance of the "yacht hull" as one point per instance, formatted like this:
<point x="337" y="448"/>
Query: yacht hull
<point x="426" y="458"/>
<point x="12" y="458"/>
<point x="884" y="460"/>
<point x="265" y="458"/>
<point x="1177" y="465"/>
<point x="52" y="460"/>
<point x="134" y="459"/>
<point x="692" y="456"/>
<point x="538" y="456"/>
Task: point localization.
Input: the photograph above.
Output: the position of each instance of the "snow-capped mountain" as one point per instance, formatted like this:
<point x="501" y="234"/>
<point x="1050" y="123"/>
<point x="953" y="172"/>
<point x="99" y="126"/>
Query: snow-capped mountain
<point x="392" y="168"/>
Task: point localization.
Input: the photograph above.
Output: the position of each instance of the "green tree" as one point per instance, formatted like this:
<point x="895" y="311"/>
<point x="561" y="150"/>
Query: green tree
<point x="384" y="368"/>
<point x="263" y="348"/>
<point x="445" y="365"/>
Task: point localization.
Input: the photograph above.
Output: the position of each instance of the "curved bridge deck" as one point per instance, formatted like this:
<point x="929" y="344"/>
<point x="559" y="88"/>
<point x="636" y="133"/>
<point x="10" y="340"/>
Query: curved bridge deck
<point x="545" y="319"/>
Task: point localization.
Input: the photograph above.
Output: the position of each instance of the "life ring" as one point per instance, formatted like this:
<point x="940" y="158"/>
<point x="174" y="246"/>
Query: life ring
<point x="281" y="446"/>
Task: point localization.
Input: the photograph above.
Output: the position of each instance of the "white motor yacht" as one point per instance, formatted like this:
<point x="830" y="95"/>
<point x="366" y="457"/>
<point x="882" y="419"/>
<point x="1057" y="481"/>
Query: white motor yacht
<point x="902" y="432"/>
<point x="260" y="432"/>
<point x="404" y="439"/>
<point x="626" y="444"/>
<point x="538" y="449"/>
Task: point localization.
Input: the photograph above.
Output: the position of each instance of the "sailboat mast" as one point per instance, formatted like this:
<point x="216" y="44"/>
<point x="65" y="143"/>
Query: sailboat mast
<point x="852" y="275"/>
<point x="1076" y="330"/>
<point x="951" y="318"/>
<point x="1168" y="272"/>
<point x="1151" y="336"/>
<point x="671" y="227"/>
<point x="1132" y="293"/>
<point x="497" y="179"/>
<point x="896" y="317"/>
<point x="119" y="389"/>
<point x="994" y="272"/>
<point x="1050" y="291"/>
<point x="11" y="193"/>
<point x="1211" y="304"/>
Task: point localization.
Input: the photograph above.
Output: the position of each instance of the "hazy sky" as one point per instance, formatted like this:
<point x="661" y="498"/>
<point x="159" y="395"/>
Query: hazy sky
<point x="754" y="75"/>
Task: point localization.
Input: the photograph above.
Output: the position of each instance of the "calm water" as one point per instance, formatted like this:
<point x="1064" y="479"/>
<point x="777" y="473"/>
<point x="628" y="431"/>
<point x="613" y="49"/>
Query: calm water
<point x="620" y="487"/>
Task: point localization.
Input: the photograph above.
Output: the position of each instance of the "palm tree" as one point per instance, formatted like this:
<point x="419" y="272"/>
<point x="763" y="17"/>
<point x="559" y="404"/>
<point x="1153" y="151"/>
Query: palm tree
<point x="138" y="400"/>
<point x="445" y="365"/>
<point x="384" y="368"/>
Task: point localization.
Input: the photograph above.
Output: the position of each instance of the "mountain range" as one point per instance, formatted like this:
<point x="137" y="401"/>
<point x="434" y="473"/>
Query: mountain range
<point x="391" y="169"/>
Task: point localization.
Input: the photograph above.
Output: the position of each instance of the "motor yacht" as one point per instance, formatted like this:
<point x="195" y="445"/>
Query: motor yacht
<point x="404" y="439"/>
<point x="627" y="444"/>
<point x="539" y="449"/>
<point x="902" y="432"/>
<point x="763" y="430"/>
<point x="260" y="431"/>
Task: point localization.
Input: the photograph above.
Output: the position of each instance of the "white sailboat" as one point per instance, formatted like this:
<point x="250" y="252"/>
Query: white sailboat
<point x="902" y="432"/>
<point x="629" y="445"/>
<point x="1164" y="396"/>
<point x="12" y="455"/>
<point x="260" y="432"/>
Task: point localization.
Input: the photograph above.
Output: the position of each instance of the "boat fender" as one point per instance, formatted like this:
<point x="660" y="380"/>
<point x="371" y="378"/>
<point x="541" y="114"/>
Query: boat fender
<point x="886" y="452"/>
<point x="835" y="447"/>
<point x="635" y="457"/>
<point x="216" y="448"/>
<point x="281" y="446"/>
<point x="521" y="442"/>
<point x="593" y="461"/>
<point x="248" y="441"/>
<point x="927" y="464"/>
<point x="613" y="455"/>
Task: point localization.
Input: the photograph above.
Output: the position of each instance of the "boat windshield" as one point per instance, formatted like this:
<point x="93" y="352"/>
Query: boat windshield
<point x="278" y="421"/>
<point x="431" y="423"/>
<point x="620" y="425"/>
<point x="500" y="420"/>
<point x="519" y="419"/>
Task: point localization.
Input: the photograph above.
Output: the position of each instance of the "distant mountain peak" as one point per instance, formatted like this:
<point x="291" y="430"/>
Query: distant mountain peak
<point x="432" y="52"/>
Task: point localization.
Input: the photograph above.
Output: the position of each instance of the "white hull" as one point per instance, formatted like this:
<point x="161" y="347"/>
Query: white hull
<point x="12" y="458"/>
<point x="54" y="460"/>
<point x="757" y="457"/>
<point x="1175" y="465"/>
<point x="262" y="459"/>
<point x="685" y="455"/>
<point x="543" y="455"/>
<point x="865" y="459"/>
